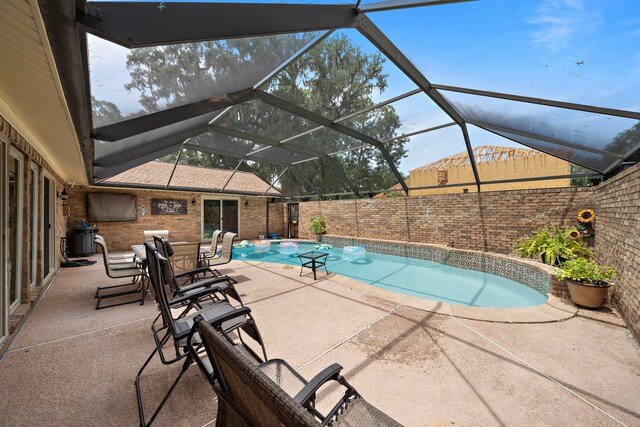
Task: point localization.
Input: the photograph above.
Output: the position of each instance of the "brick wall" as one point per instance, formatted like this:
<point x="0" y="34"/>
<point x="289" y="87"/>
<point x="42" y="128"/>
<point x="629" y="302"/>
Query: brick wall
<point x="277" y="221"/>
<point x="121" y="235"/>
<point x="617" y="242"/>
<point x="492" y="221"/>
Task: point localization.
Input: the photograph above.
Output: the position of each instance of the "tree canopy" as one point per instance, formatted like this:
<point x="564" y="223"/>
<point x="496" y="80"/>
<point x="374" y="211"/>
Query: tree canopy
<point x="333" y="79"/>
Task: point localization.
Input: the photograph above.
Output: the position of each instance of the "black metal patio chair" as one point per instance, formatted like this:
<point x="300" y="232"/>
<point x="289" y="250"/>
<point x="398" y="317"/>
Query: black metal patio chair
<point x="167" y="328"/>
<point x="272" y="393"/>
<point x="119" y="270"/>
<point x="190" y="281"/>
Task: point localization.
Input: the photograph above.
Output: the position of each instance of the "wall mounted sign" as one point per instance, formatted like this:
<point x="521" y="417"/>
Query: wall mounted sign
<point x="168" y="206"/>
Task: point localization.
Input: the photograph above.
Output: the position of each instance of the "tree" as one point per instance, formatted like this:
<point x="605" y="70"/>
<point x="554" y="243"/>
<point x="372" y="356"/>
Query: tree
<point x="334" y="79"/>
<point x="104" y="112"/>
<point x="625" y="141"/>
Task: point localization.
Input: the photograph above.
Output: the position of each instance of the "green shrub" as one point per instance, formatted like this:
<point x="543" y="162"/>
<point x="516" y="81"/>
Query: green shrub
<point x="553" y="246"/>
<point x="585" y="271"/>
<point x="317" y="225"/>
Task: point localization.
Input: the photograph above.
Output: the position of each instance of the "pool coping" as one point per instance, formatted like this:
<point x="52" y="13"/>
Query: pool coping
<point x="553" y="310"/>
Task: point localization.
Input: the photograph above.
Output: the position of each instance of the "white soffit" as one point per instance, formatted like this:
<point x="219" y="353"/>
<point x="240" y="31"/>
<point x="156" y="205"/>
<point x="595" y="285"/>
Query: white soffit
<point x="31" y="95"/>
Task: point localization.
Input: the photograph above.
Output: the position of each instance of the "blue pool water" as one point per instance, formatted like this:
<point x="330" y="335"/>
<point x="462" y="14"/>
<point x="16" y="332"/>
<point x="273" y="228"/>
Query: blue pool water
<point x="416" y="277"/>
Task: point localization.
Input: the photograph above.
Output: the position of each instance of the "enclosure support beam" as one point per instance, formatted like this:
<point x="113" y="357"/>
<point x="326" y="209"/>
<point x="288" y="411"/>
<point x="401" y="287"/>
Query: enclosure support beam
<point x="553" y="141"/>
<point x="336" y="167"/>
<point x="206" y="149"/>
<point x="175" y="165"/>
<point x="316" y="118"/>
<point x="293" y="58"/>
<point x="357" y="113"/>
<point x="149" y="151"/>
<point x="625" y="156"/>
<point x="69" y="47"/>
<point x="149" y="24"/>
<point x="402" y="4"/>
<point x="276" y="180"/>
<point x="232" y="174"/>
<point x="542" y="101"/>
<point x="261" y="140"/>
<point x="541" y="150"/>
<point x="418" y="132"/>
<point x="304" y="178"/>
<point x="382" y="42"/>
<point x="272" y="143"/>
<point x="138" y="125"/>
<point x="110" y="171"/>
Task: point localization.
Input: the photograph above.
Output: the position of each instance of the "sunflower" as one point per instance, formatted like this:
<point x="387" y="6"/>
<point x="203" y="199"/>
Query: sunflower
<point x="574" y="234"/>
<point x="586" y="215"/>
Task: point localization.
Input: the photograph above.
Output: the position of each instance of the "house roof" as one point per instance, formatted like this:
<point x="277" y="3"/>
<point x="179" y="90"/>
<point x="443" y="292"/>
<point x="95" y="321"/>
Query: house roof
<point x="157" y="174"/>
<point x="481" y="154"/>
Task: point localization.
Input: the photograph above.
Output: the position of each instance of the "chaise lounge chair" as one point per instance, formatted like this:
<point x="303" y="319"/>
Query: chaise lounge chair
<point x="166" y="328"/>
<point x="248" y="396"/>
<point x="189" y="281"/>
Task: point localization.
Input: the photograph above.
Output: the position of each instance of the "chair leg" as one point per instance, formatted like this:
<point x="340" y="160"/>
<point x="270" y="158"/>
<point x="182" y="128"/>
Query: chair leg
<point x="185" y="366"/>
<point x="141" y="288"/>
<point x="100" y="288"/>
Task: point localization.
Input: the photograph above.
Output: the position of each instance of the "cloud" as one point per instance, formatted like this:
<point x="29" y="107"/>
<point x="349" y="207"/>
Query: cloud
<point x="560" y="21"/>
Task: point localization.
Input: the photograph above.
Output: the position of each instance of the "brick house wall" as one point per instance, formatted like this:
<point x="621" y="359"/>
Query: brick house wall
<point x="29" y="295"/>
<point x="277" y="220"/>
<point x="492" y="221"/>
<point x="120" y="236"/>
<point x="617" y="242"/>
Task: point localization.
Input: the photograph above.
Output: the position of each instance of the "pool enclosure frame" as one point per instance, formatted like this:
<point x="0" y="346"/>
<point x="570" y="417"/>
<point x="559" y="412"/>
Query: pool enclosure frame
<point x="134" y="25"/>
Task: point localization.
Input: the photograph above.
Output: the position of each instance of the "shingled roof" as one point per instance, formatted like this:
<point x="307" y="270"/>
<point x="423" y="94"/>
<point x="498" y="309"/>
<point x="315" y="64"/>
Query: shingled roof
<point x="156" y="174"/>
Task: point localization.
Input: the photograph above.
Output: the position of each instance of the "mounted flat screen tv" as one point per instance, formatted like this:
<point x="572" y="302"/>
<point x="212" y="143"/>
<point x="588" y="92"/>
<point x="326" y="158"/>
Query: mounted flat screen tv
<point x="104" y="207"/>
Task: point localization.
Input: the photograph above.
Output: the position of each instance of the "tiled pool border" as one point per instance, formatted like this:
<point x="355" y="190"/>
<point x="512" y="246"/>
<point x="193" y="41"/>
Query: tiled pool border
<point x="535" y="275"/>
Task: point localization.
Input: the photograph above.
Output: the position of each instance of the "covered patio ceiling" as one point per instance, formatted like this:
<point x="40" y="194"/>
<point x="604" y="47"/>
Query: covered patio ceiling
<point x="227" y="119"/>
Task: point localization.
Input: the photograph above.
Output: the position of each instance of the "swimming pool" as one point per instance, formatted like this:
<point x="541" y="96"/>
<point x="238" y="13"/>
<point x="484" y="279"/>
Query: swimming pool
<point x="411" y="276"/>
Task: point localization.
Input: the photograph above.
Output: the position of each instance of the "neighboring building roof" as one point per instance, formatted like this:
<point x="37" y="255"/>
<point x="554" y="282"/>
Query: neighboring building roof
<point x="481" y="154"/>
<point x="157" y="173"/>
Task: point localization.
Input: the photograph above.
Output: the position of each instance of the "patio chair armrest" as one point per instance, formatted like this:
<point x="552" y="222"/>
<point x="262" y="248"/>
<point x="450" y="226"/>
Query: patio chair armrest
<point x="330" y="373"/>
<point x="194" y="297"/>
<point x="209" y="284"/>
<point x="216" y="321"/>
<point x="193" y="272"/>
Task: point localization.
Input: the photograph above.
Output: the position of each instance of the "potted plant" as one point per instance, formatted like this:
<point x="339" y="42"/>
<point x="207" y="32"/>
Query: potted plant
<point x="553" y="246"/>
<point x="587" y="281"/>
<point x="317" y="226"/>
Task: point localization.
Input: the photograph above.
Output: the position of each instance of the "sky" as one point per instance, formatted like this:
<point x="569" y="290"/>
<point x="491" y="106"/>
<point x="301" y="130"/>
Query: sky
<point x="582" y="51"/>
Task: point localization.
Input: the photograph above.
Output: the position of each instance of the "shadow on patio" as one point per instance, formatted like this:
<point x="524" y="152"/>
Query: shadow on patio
<point x="73" y="365"/>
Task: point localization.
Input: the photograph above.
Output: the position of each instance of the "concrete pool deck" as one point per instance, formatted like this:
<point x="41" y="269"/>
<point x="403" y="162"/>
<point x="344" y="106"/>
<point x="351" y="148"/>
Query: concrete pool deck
<point x="73" y="365"/>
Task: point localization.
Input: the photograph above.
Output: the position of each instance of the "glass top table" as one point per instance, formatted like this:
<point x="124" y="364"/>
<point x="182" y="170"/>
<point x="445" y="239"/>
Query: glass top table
<point x="313" y="260"/>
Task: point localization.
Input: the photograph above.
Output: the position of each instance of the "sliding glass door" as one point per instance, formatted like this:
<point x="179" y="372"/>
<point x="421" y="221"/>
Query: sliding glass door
<point x="4" y="309"/>
<point x="48" y="226"/>
<point x="219" y="214"/>
<point x="35" y="196"/>
<point x="14" y="225"/>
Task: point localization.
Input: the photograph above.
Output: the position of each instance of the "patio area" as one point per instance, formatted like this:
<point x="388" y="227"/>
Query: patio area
<point x="73" y="365"/>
